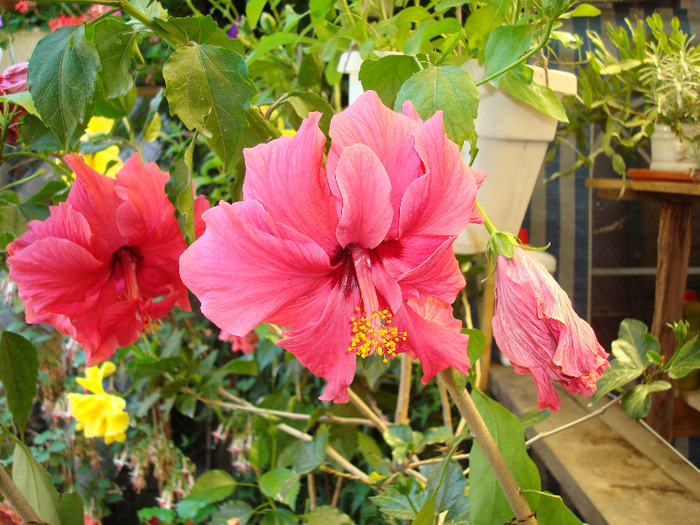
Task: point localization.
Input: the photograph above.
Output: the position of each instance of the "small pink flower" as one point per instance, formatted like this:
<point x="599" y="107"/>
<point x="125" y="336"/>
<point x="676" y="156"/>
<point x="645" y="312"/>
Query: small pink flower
<point x="104" y="266"/>
<point x="13" y="80"/>
<point x="23" y="6"/>
<point x="354" y="254"/>
<point x="245" y="344"/>
<point x="538" y="331"/>
<point x="65" y="21"/>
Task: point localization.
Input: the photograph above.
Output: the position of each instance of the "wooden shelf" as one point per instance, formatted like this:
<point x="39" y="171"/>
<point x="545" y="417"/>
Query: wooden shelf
<point x="628" y="189"/>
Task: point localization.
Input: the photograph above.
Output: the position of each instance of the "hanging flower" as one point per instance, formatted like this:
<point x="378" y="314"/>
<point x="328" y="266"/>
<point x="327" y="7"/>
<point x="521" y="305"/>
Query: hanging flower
<point x="104" y="266"/>
<point x="23" y="6"/>
<point x="538" y="331"/>
<point x="13" y="80"/>
<point x="355" y="258"/>
<point x="99" y="414"/>
<point x="65" y="21"/>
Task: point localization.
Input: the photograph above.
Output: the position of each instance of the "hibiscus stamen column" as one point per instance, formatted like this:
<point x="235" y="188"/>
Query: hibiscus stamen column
<point x="481" y="434"/>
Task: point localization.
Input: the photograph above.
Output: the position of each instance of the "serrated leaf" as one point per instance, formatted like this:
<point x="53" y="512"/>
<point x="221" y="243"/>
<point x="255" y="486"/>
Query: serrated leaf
<point x="637" y="401"/>
<point x="445" y="88"/>
<point x="212" y="486"/>
<point x="553" y="511"/>
<point x="179" y="190"/>
<point x="234" y="509"/>
<point x="116" y="43"/>
<point x="540" y="97"/>
<point x="281" y="484"/>
<point x="686" y="359"/>
<point x="327" y="515"/>
<point x="208" y="88"/>
<point x="19" y="371"/>
<point x="204" y="30"/>
<point x="373" y="454"/>
<point x="386" y="75"/>
<point x="311" y="454"/>
<point x="397" y="505"/>
<point x="279" y="517"/>
<point x="24" y="99"/>
<point x="630" y="350"/>
<point x="459" y="513"/>
<point x="397" y="435"/>
<point x="450" y="489"/>
<point x="486" y="499"/>
<point x="61" y="77"/>
<point x="35" y="484"/>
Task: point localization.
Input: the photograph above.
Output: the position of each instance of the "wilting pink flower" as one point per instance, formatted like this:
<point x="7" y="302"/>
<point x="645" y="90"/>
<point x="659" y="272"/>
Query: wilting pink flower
<point x="104" y="266"/>
<point x="13" y="80"/>
<point x="245" y="344"/>
<point x="353" y="258"/>
<point x="23" y="6"/>
<point x="538" y="331"/>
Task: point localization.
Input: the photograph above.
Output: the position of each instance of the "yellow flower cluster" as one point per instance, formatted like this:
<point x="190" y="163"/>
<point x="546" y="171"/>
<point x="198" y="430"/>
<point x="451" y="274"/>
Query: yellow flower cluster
<point x="106" y="161"/>
<point x="99" y="413"/>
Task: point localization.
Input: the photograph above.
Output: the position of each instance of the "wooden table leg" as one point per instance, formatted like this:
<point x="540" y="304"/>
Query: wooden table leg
<point x="671" y="272"/>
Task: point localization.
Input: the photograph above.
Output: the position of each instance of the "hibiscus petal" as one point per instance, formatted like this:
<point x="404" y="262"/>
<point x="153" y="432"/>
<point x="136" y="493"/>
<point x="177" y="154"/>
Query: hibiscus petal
<point x="433" y="336"/>
<point x="146" y="206"/>
<point x="442" y="201"/>
<point x="246" y="267"/>
<point x="95" y="196"/>
<point x="323" y="348"/>
<point x="423" y="265"/>
<point x="388" y="134"/>
<point x="365" y="190"/>
<point x="290" y="168"/>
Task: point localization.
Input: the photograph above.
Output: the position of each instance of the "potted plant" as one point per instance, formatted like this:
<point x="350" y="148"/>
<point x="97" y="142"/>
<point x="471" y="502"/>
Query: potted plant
<point x="629" y="93"/>
<point x="461" y="64"/>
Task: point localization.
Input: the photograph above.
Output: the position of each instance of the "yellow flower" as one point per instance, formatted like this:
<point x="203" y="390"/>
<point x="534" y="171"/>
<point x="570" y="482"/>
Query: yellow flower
<point x="99" y="413"/>
<point x="100" y="160"/>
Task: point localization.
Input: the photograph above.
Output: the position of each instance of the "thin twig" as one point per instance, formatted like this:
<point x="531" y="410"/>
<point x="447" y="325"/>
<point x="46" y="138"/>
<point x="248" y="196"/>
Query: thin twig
<point x="367" y="411"/>
<point x="432" y="461"/>
<point x="596" y="413"/>
<point x="16" y="498"/>
<point x="312" y="491"/>
<point x="488" y="446"/>
<point x="402" y="403"/>
<point x="445" y="403"/>
<point x="336" y="492"/>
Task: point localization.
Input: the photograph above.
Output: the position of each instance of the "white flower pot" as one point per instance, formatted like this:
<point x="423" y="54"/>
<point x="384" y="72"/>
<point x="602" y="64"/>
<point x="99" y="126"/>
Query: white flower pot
<point x="671" y="153"/>
<point x="513" y="140"/>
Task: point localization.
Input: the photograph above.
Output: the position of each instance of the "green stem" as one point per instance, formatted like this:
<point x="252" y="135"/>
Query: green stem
<point x="488" y="446"/>
<point x="41" y="157"/>
<point x="487" y="222"/>
<point x="17" y="499"/>
<point x="547" y="31"/>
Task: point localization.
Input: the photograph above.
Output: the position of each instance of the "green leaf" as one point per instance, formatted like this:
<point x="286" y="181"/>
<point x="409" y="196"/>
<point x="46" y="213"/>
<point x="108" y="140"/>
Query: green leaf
<point x="116" y="43"/>
<point x="204" y="30"/>
<point x="533" y="417"/>
<point x="686" y="359"/>
<point x="327" y="515"/>
<point x="70" y="508"/>
<point x="253" y="10"/>
<point x="582" y="10"/>
<point x="270" y="42"/>
<point x="180" y="191"/>
<point x="208" y="88"/>
<point x="233" y="509"/>
<point x="311" y="454"/>
<point x="18" y="372"/>
<point x="61" y="77"/>
<point x="553" y="511"/>
<point x="281" y="484"/>
<point x="505" y="45"/>
<point x="637" y="401"/>
<point x="279" y="517"/>
<point x="24" y="99"/>
<point x="373" y="454"/>
<point x="486" y="499"/>
<point x="459" y="513"/>
<point x="426" y="514"/>
<point x="447" y="488"/>
<point x="212" y="486"/>
<point x="305" y="103"/>
<point x="518" y="84"/>
<point x="398" y="435"/>
<point x="445" y="88"/>
<point x="35" y="484"/>
<point x="387" y="75"/>
<point x="401" y="506"/>
<point x="630" y="350"/>
<point x="114" y="108"/>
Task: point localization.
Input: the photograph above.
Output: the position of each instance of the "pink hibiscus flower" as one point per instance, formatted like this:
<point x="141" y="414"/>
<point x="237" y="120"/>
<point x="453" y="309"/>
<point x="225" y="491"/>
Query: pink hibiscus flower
<point x="14" y="80"/>
<point x="353" y="259"/>
<point x="538" y="331"/>
<point x="104" y="266"/>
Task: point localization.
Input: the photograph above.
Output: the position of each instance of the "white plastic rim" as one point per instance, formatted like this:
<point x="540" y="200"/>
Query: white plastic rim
<point x="669" y="152"/>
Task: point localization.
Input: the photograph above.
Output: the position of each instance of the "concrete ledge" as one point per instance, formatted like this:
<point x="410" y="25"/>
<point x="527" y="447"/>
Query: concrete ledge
<point x="611" y="468"/>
